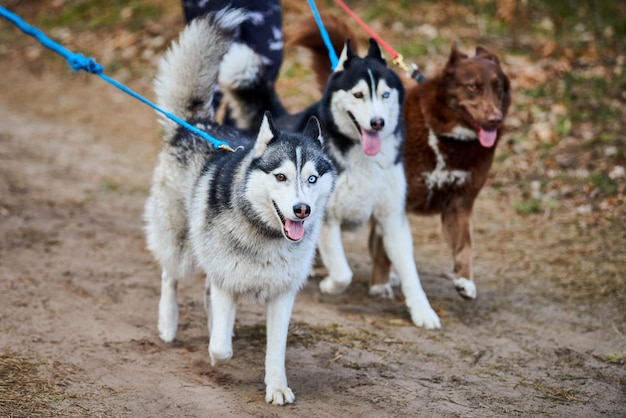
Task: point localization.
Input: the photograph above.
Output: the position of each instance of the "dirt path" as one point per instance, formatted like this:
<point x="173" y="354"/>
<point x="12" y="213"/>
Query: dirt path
<point x="79" y="297"/>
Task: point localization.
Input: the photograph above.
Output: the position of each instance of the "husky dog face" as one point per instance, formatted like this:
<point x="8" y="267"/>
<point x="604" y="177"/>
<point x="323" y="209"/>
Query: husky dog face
<point x="290" y="177"/>
<point x="478" y="89"/>
<point x="366" y="98"/>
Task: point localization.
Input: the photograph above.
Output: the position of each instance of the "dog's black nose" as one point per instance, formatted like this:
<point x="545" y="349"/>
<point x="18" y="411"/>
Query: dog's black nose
<point x="302" y="210"/>
<point x="377" y="123"/>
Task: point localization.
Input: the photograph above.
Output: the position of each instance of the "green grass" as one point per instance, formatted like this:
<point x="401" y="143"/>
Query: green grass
<point x="563" y="126"/>
<point x="528" y="207"/>
<point x="110" y="186"/>
<point x="87" y="15"/>
<point x="616" y="358"/>
<point x="602" y="182"/>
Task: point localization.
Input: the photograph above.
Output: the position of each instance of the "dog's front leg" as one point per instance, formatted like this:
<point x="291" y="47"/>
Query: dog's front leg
<point x="457" y="226"/>
<point x="223" y="310"/>
<point x="278" y="314"/>
<point x="398" y="244"/>
<point x="168" y="307"/>
<point x="334" y="258"/>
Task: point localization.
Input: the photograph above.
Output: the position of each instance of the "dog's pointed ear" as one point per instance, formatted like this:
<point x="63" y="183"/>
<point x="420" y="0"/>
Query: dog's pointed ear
<point x="267" y="132"/>
<point x="346" y="55"/>
<point x="455" y="55"/>
<point x="375" y="52"/>
<point x="313" y="130"/>
<point x="482" y="52"/>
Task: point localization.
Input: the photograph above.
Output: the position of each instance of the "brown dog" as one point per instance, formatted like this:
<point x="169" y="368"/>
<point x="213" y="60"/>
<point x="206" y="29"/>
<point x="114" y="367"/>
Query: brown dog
<point x="453" y="124"/>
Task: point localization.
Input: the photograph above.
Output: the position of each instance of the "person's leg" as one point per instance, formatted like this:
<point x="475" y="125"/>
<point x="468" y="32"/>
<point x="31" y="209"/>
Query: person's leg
<point x="263" y="32"/>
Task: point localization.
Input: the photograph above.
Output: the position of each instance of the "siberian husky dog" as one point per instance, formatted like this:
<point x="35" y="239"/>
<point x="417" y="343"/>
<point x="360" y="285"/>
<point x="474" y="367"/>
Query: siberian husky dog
<point x="248" y="220"/>
<point x="360" y="113"/>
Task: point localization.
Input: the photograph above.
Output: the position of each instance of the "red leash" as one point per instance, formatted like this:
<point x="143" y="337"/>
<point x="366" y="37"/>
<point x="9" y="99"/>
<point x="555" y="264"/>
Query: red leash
<point x="412" y="71"/>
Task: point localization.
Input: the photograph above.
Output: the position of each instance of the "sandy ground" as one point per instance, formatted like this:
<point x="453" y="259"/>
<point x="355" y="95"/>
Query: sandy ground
<point x="79" y="294"/>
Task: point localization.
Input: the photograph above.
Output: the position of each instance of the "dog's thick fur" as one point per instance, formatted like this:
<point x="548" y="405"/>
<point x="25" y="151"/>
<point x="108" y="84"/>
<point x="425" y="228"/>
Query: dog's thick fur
<point x="249" y="221"/>
<point x="360" y="113"/>
<point x="453" y="122"/>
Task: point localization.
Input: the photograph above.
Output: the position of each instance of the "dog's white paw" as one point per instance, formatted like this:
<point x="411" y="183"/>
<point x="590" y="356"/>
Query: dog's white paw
<point x="425" y="316"/>
<point x="168" y="321"/>
<point x="465" y="287"/>
<point x="333" y="286"/>
<point x="383" y="291"/>
<point x="167" y="332"/>
<point x="219" y="355"/>
<point x="279" y="395"/>
<point x="240" y="67"/>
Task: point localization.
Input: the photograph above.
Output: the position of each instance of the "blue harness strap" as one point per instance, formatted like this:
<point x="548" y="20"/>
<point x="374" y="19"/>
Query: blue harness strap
<point x="78" y="62"/>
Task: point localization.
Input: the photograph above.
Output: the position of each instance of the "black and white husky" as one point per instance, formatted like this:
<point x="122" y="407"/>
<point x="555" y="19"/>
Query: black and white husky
<point x="248" y="220"/>
<point x="360" y="113"/>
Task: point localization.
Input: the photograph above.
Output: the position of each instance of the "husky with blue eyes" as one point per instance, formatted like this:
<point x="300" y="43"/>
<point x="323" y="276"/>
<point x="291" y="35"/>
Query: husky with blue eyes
<point x="248" y="220"/>
<point x="360" y="113"/>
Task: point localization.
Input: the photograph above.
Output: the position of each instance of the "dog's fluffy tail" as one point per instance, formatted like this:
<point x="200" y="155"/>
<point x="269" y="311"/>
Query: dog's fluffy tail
<point x="309" y="36"/>
<point x="187" y="74"/>
<point x="247" y="89"/>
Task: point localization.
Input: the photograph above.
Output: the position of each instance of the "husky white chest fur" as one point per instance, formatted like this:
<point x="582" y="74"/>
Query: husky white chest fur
<point x="365" y="184"/>
<point x="248" y="220"/>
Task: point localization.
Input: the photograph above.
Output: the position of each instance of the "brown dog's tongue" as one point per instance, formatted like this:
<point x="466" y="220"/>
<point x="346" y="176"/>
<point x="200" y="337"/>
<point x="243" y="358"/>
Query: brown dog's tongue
<point x="487" y="138"/>
<point x="294" y="229"/>
<point x="370" y="140"/>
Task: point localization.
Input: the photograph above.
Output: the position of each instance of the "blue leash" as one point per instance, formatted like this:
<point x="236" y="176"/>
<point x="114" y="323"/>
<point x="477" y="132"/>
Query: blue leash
<point x="79" y="62"/>
<point x="412" y="71"/>
<point x="329" y="45"/>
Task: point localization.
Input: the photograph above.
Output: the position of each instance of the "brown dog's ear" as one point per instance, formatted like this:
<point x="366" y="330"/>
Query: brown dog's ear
<point x="455" y="55"/>
<point x="482" y="52"/>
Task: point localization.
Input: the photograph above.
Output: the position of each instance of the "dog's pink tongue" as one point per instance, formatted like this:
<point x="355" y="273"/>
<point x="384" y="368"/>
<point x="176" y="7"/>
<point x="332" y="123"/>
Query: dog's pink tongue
<point x="487" y="138"/>
<point x="370" y="140"/>
<point x="294" y="229"/>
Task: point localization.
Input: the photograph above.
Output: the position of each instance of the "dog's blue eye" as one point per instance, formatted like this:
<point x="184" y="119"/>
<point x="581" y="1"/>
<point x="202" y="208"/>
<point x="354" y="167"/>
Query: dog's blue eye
<point x="280" y="177"/>
<point x="358" y="95"/>
<point x="386" y="95"/>
<point x="312" y="179"/>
